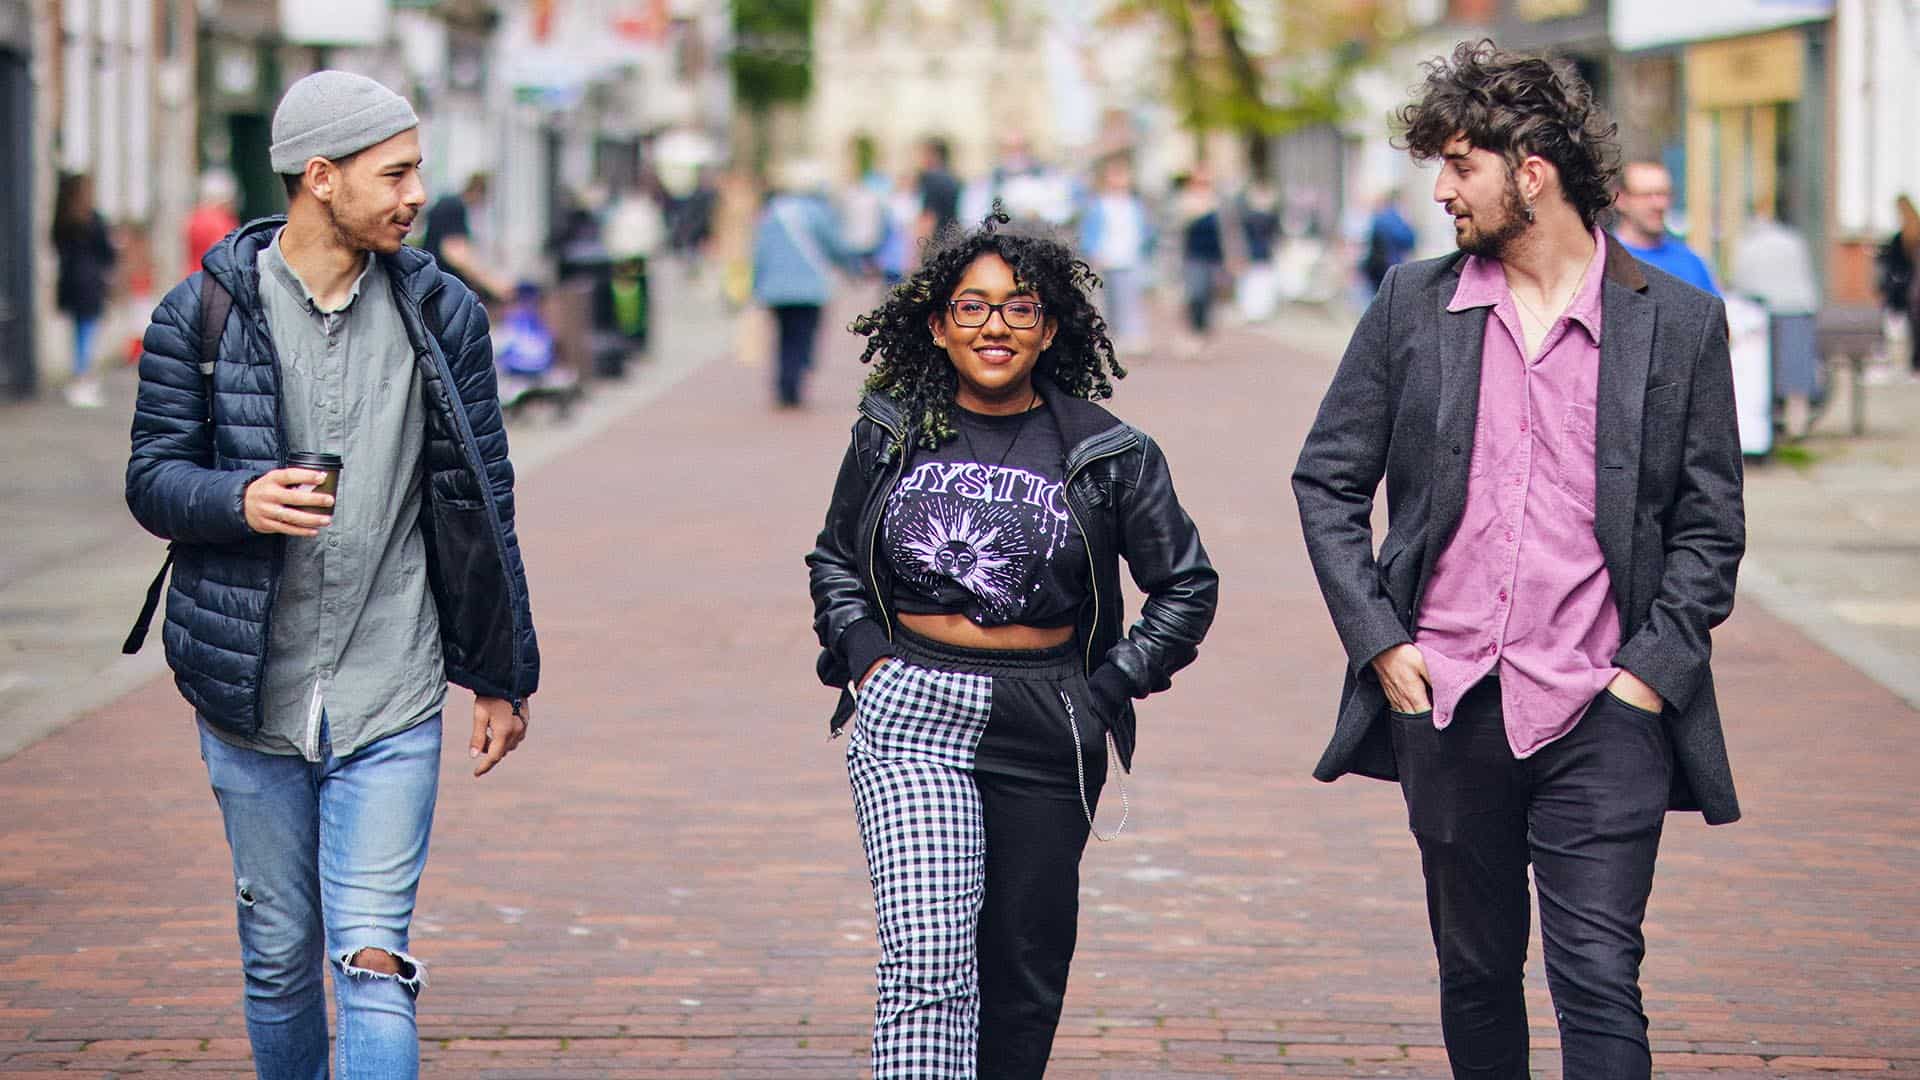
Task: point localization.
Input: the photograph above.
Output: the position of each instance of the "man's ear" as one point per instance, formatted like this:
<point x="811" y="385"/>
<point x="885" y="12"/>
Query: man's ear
<point x="322" y="178"/>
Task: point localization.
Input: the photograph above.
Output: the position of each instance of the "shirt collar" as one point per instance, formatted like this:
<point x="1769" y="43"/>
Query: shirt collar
<point x="277" y="265"/>
<point x="1484" y="284"/>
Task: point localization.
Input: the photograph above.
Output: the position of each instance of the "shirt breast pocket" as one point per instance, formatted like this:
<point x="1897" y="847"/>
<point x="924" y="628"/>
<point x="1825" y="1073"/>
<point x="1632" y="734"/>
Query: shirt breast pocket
<point x="1576" y="453"/>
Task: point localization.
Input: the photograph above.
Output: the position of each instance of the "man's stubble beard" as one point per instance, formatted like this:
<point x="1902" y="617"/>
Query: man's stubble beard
<point x="1496" y="243"/>
<point x="352" y="233"/>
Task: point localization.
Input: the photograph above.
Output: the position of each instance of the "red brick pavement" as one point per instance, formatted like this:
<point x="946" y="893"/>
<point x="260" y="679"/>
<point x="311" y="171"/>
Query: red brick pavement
<point x="666" y="881"/>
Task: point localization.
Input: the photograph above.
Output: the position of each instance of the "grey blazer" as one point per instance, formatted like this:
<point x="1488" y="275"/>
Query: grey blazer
<point x="1667" y="508"/>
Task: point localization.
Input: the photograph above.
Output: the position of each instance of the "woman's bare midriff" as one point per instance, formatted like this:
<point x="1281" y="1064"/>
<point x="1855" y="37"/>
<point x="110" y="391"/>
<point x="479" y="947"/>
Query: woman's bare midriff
<point x="961" y="631"/>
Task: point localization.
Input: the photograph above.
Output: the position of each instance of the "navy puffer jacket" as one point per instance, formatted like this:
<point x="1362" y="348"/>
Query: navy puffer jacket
<point x="185" y="484"/>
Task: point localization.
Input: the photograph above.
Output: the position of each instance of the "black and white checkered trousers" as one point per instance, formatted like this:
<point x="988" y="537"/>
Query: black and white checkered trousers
<point x="910" y="760"/>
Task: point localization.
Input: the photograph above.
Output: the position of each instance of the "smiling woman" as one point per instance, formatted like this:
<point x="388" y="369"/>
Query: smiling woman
<point x="966" y="588"/>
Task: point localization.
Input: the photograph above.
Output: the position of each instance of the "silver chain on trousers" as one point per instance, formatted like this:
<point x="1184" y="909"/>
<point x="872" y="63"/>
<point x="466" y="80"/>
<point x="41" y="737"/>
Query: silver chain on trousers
<point x="1080" y="774"/>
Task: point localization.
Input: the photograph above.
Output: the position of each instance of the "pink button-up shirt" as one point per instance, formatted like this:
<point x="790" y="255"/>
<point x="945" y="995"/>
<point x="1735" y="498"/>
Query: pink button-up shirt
<point x="1522" y="588"/>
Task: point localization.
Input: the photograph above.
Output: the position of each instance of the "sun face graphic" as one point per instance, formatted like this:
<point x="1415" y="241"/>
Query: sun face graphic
<point x="983" y="549"/>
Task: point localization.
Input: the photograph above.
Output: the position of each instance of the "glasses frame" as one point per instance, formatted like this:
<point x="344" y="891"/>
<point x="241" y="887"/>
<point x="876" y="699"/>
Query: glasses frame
<point x="1039" y="313"/>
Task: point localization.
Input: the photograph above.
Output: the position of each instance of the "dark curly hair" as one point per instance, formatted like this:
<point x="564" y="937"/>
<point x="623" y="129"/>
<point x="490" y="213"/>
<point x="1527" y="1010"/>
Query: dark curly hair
<point x="917" y="373"/>
<point x="1517" y="104"/>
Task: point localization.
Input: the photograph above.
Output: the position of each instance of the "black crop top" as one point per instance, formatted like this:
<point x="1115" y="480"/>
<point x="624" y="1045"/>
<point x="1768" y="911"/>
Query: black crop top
<point x="980" y="527"/>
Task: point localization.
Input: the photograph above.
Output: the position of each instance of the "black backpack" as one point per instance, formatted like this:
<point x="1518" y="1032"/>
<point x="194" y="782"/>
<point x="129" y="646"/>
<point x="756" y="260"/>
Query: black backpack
<point x="215" y="305"/>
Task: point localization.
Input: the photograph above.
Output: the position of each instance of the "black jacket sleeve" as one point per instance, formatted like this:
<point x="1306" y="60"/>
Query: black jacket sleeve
<point x="1164" y="554"/>
<point x="843" y="613"/>
<point x="1339" y="470"/>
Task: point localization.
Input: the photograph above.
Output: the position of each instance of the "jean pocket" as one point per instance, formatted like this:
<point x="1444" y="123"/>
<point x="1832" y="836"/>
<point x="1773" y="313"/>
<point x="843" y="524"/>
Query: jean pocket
<point x="1616" y="699"/>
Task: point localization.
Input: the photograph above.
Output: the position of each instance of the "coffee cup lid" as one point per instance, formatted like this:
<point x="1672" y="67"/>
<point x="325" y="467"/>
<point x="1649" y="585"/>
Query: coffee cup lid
<point x="311" y="460"/>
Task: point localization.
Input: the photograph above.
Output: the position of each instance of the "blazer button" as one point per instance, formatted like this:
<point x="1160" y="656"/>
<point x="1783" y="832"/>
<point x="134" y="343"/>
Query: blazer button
<point x="1456" y="449"/>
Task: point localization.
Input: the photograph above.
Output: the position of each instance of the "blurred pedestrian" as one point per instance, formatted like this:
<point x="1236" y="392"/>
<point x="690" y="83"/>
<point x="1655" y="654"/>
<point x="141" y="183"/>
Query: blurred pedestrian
<point x="1645" y="194"/>
<point x="898" y="250"/>
<point x="1898" y="281"/>
<point x="795" y="250"/>
<point x="860" y="207"/>
<point x="86" y="255"/>
<point x="213" y="217"/>
<point x="1528" y="653"/>
<point x="1389" y="241"/>
<point x="1257" y="288"/>
<point x="1117" y="238"/>
<point x="310" y="623"/>
<point x="1203" y="252"/>
<point x="690" y="218"/>
<point x="1772" y="264"/>
<point x="939" y="191"/>
<point x="966" y="592"/>
<point x="1032" y="192"/>
<point x="450" y="241"/>
<point x="737" y="203"/>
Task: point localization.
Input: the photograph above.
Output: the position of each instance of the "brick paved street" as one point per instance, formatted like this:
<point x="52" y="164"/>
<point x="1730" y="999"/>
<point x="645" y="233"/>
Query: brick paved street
<point x="666" y="881"/>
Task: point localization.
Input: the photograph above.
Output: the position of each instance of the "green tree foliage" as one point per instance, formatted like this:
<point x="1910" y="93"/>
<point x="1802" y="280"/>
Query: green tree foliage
<point x="771" y="61"/>
<point x="1221" y="80"/>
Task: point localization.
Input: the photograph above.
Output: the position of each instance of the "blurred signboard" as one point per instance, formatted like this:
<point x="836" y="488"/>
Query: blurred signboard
<point x="1645" y="24"/>
<point x="1542" y="10"/>
<point x="334" y="22"/>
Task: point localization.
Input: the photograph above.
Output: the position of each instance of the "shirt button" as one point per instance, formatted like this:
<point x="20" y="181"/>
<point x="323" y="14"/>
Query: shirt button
<point x="1509" y="538"/>
<point x="1503" y="596"/>
<point x="1523" y="429"/>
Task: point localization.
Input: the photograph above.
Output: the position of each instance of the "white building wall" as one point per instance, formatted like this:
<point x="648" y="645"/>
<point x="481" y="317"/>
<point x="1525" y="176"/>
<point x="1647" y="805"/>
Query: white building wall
<point x="1877" y="138"/>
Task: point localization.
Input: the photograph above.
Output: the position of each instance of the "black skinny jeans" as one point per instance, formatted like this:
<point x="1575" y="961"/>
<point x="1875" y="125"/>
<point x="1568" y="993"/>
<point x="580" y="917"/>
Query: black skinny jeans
<point x="1586" y="812"/>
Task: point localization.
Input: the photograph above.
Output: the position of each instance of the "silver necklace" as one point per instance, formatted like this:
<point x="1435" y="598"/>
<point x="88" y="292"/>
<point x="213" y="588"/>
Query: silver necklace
<point x="1018" y="430"/>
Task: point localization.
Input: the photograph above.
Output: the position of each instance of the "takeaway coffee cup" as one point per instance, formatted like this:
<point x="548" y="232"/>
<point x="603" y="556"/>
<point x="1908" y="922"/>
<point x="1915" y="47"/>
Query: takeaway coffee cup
<point x="326" y="463"/>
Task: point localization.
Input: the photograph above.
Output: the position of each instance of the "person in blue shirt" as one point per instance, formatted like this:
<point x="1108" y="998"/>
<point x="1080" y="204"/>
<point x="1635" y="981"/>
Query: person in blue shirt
<point x="1646" y="191"/>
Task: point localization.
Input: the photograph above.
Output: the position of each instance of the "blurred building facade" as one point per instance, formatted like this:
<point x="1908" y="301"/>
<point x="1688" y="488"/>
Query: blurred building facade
<point x="970" y="73"/>
<point x="21" y="144"/>
<point x="550" y="96"/>
<point x="1876" y="140"/>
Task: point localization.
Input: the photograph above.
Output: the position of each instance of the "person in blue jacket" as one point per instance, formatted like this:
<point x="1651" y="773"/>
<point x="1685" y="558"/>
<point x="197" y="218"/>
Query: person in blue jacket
<point x="314" y="633"/>
<point x="796" y="249"/>
<point x="1646" y="192"/>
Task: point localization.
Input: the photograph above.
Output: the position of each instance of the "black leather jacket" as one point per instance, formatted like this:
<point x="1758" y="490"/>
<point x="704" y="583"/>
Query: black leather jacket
<point x="1120" y="496"/>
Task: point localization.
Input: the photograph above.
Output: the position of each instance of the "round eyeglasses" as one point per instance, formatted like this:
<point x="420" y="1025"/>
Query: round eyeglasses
<point x="1017" y="314"/>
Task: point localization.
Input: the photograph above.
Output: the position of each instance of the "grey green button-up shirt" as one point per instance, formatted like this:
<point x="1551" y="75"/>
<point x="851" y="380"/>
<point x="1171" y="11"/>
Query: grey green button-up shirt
<point x="355" y="634"/>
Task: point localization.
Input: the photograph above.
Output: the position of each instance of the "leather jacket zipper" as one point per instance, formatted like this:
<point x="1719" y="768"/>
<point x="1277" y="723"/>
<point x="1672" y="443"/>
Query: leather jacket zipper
<point x="1093" y="571"/>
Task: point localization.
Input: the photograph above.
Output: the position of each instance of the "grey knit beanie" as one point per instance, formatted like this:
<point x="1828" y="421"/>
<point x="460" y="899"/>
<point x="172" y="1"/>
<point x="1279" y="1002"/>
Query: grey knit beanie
<point x="333" y="114"/>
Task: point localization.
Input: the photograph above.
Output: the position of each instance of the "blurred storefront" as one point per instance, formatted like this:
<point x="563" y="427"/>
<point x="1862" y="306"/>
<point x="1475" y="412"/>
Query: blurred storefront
<point x="1749" y="79"/>
<point x="1876" y="154"/>
<point x="17" y="256"/>
<point x="120" y="108"/>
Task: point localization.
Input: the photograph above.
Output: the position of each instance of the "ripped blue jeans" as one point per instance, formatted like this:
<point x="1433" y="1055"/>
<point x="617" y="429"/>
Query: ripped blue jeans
<point x="326" y="860"/>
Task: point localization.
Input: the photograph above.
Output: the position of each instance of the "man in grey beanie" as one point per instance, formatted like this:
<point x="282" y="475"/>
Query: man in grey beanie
<point x="317" y="612"/>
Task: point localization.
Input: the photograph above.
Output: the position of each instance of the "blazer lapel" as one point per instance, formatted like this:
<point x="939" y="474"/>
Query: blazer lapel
<point x="1462" y="335"/>
<point x="1627" y="317"/>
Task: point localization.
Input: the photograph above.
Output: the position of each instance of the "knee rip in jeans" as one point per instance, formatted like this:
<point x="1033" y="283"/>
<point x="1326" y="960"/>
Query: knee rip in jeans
<point x="375" y="962"/>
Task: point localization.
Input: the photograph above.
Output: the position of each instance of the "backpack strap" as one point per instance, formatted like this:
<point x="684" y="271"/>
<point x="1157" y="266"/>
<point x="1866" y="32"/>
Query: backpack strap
<point x="215" y="305"/>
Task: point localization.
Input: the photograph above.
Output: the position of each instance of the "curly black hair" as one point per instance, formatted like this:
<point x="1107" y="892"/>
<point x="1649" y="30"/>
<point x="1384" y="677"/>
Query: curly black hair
<point x="917" y="373"/>
<point x="1517" y="104"/>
